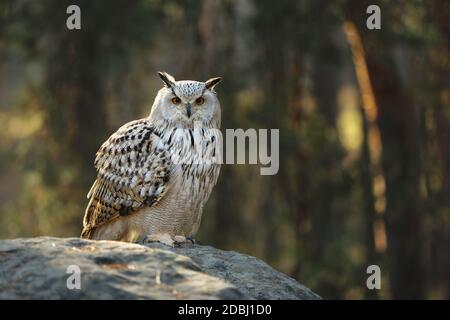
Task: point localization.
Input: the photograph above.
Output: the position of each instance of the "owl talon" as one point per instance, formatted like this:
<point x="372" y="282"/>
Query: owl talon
<point x="161" y="238"/>
<point x="179" y="240"/>
<point x="191" y="240"/>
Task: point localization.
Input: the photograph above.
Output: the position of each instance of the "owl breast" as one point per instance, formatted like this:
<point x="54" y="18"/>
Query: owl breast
<point x="194" y="171"/>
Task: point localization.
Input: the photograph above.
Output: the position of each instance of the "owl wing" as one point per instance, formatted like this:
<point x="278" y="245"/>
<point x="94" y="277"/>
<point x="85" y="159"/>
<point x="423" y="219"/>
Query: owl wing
<point x="133" y="168"/>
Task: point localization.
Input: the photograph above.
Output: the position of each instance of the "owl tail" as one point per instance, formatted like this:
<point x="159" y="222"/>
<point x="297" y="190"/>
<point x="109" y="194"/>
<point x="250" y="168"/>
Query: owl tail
<point x="88" y="230"/>
<point x="87" y="233"/>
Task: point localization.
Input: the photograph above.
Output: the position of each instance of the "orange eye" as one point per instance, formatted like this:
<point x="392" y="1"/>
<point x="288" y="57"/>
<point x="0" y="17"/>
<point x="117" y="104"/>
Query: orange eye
<point x="176" y="100"/>
<point x="199" y="101"/>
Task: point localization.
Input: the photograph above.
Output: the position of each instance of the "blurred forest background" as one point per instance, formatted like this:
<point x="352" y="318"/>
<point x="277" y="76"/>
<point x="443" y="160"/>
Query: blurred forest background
<point x="364" y="118"/>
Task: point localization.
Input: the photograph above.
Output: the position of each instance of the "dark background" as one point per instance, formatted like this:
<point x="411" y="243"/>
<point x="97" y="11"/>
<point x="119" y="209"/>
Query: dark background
<point x="364" y="119"/>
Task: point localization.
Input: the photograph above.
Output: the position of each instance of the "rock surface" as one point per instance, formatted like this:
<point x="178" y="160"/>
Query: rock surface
<point x="36" y="268"/>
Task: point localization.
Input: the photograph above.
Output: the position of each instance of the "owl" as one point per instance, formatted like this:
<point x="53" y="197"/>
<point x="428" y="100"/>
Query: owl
<point x="155" y="174"/>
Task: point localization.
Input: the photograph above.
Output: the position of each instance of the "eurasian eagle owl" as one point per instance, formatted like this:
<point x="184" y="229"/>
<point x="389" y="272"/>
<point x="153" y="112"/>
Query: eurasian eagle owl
<point x="153" y="180"/>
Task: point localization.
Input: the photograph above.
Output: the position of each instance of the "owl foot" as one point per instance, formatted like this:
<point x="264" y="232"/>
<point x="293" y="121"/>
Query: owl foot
<point x="163" y="238"/>
<point x="182" y="239"/>
<point x="191" y="240"/>
<point x="179" y="239"/>
<point x="166" y="239"/>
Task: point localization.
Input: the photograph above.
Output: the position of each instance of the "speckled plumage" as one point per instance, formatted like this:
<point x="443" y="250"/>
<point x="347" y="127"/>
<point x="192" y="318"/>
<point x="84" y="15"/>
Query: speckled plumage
<point x="156" y="174"/>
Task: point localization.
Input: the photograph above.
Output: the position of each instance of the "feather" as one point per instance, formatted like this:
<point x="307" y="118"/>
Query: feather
<point x="123" y="184"/>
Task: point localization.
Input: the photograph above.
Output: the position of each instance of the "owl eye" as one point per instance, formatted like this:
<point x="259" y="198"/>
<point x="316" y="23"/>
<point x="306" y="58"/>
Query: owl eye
<point x="199" y="101"/>
<point x="176" y="101"/>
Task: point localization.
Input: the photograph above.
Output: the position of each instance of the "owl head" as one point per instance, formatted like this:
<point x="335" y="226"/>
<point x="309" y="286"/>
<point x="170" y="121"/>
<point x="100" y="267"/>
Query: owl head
<point x="182" y="103"/>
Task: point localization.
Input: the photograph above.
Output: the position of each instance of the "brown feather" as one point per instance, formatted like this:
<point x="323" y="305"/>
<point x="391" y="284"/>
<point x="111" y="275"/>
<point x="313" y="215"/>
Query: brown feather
<point x="133" y="171"/>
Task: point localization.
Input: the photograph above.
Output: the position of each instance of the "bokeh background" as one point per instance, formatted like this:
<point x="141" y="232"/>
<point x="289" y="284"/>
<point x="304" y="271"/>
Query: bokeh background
<point x="364" y="119"/>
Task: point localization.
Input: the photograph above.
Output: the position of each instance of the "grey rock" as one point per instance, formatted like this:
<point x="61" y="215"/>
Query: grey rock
<point x="36" y="268"/>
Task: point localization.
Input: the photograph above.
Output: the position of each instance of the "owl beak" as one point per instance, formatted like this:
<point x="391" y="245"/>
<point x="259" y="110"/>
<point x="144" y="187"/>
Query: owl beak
<point x="189" y="110"/>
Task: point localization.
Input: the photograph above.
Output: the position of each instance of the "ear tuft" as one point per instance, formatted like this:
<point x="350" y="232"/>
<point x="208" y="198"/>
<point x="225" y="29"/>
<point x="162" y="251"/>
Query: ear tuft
<point x="167" y="79"/>
<point x="211" y="83"/>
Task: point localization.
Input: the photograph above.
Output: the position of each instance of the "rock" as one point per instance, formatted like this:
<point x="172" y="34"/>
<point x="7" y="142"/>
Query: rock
<point x="36" y="268"/>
